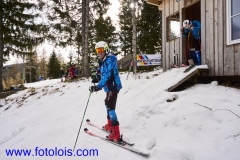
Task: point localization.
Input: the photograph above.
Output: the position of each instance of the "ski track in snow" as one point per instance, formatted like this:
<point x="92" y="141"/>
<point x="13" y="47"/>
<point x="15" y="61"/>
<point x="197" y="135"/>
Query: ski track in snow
<point x="13" y="134"/>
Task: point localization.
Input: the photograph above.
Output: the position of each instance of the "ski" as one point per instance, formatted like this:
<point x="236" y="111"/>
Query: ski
<point x="101" y="128"/>
<point x="121" y="144"/>
<point x="96" y="126"/>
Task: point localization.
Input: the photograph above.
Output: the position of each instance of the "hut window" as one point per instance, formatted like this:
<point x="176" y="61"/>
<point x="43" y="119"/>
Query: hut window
<point x="173" y="27"/>
<point x="233" y="21"/>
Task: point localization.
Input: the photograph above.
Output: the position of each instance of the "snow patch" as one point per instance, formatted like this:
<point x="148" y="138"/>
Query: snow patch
<point x="214" y="83"/>
<point x="151" y="143"/>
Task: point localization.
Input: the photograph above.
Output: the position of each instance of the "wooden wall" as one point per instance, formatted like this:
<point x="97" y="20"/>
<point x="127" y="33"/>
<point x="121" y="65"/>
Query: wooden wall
<point x="169" y="48"/>
<point x="222" y="59"/>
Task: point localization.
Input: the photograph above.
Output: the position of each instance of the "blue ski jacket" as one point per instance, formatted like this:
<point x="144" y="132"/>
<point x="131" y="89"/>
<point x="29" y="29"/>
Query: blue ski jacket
<point x="110" y="79"/>
<point x="196" y="31"/>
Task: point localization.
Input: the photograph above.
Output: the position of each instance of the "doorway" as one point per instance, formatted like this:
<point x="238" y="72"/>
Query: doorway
<point x="191" y="40"/>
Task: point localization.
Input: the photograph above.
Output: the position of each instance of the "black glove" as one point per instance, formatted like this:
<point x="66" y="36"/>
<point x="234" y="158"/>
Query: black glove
<point x="93" y="89"/>
<point x="95" y="78"/>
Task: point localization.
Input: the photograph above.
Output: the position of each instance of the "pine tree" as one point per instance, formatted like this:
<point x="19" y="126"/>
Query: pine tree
<point x="150" y="29"/>
<point x="53" y="66"/>
<point x="125" y="24"/>
<point x="102" y="28"/>
<point x="19" y="33"/>
<point x="64" y="18"/>
<point x="76" y="20"/>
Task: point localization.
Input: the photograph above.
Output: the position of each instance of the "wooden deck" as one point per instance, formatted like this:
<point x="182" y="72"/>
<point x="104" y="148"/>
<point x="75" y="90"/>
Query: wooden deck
<point x="192" y="71"/>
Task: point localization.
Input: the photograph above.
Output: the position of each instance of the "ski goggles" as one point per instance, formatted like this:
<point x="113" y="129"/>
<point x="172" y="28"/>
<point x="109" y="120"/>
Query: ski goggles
<point x="99" y="50"/>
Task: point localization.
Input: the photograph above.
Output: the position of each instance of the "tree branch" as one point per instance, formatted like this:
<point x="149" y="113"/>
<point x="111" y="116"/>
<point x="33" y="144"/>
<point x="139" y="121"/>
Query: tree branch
<point x="204" y="106"/>
<point x="234" y="136"/>
<point x="229" y="111"/>
<point x="218" y="109"/>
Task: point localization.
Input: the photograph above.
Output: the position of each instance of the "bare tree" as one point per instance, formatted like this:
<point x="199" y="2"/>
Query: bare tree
<point x="42" y="63"/>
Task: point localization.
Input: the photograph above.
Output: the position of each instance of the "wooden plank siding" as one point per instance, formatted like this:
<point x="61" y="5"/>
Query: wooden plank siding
<point x="209" y="36"/>
<point x="222" y="59"/>
<point x="177" y="41"/>
<point x="171" y="7"/>
<point x="167" y="13"/>
<point x="171" y="51"/>
<point x="220" y="32"/>
<point x="177" y="50"/>
<point x="183" y="41"/>
<point x="189" y="2"/>
<point x="203" y="31"/>
<point x="237" y="60"/>
<point x="228" y="56"/>
<point x="172" y="46"/>
<point x="176" y="7"/>
<point x="163" y="36"/>
<point x="216" y="36"/>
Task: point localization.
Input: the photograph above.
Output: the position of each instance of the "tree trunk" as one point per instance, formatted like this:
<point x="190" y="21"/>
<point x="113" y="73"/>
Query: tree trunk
<point x="78" y="59"/>
<point x="83" y="35"/>
<point x="134" y="38"/>
<point x="86" y="48"/>
<point x="1" y="46"/>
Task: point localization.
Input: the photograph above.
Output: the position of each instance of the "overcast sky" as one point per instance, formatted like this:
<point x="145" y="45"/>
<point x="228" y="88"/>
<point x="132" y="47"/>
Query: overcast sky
<point x="113" y="11"/>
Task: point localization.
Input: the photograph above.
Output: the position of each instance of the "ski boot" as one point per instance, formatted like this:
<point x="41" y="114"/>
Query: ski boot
<point x="115" y="134"/>
<point x="108" y="126"/>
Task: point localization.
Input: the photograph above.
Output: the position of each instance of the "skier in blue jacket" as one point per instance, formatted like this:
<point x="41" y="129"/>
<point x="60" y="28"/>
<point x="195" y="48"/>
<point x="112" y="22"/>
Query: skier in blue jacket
<point x="111" y="83"/>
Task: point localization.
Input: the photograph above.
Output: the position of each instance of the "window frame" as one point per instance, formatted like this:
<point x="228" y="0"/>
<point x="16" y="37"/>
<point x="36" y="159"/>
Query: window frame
<point x="229" y="24"/>
<point x="169" y="27"/>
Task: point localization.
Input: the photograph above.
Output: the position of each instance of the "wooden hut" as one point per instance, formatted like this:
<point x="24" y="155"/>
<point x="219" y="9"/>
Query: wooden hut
<point x="220" y="34"/>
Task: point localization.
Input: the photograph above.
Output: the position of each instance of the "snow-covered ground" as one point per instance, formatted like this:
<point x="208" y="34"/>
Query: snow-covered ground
<point x="201" y="124"/>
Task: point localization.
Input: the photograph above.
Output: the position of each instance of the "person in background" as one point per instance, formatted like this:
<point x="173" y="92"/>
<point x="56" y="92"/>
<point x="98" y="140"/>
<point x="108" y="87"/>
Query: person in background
<point x="67" y="72"/>
<point x="40" y="78"/>
<point x="76" y="71"/>
<point x="71" y="70"/>
<point x="193" y="27"/>
<point x="61" y="73"/>
<point x="111" y="83"/>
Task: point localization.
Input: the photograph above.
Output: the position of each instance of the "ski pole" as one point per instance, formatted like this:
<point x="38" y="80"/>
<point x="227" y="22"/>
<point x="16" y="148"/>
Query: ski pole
<point x="81" y="122"/>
